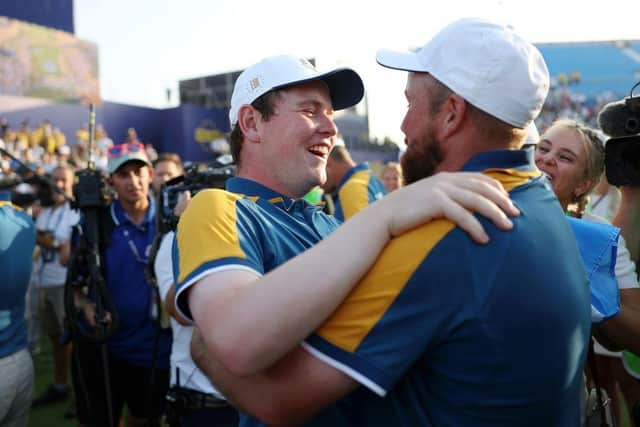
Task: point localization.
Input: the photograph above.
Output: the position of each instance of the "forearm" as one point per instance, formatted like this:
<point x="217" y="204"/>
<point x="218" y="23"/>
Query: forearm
<point x="65" y="253"/>
<point x="44" y="240"/>
<point x="297" y="387"/>
<point x="628" y="219"/>
<point x="622" y="332"/>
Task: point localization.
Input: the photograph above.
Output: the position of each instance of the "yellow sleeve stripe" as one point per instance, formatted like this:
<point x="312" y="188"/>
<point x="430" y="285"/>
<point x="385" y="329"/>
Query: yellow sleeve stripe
<point x="371" y="298"/>
<point x="207" y="231"/>
<point x="354" y="194"/>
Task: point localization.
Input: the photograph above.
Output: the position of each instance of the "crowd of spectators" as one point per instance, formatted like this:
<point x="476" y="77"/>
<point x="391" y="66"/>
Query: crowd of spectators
<point x="566" y="102"/>
<point x="44" y="147"/>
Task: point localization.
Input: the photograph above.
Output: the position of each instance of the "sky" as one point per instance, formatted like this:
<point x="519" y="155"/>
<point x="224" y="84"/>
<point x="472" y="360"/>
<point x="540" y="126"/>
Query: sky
<point x="146" y="46"/>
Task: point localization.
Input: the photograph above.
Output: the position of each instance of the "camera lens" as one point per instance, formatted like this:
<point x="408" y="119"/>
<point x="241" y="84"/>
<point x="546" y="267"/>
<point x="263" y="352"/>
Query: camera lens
<point x="632" y="126"/>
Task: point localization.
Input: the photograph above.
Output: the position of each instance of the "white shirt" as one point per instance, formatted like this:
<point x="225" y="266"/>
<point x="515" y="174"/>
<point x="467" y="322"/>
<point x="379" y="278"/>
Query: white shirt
<point x="59" y="221"/>
<point x="190" y="376"/>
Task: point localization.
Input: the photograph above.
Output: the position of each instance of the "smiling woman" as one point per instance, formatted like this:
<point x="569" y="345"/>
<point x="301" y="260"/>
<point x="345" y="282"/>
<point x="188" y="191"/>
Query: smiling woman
<point x="572" y="155"/>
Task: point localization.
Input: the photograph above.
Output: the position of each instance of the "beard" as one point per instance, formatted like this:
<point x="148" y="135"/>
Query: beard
<point x="421" y="158"/>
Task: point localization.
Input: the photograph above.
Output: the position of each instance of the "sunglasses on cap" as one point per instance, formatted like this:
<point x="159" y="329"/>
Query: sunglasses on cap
<point x="121" y="149"/>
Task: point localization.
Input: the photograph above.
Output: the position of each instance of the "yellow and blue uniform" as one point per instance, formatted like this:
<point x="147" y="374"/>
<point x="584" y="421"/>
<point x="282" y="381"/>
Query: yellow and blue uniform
<point x="358" y="188"/>
<point x="248" y="226"/>
<point x="456" y="333"/>
<point x="17" y="241"/>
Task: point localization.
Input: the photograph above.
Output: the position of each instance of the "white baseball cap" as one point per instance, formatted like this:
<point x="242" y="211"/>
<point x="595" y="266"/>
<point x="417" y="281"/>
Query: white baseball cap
<point x="533" y="136"/>
<point x="487" y="64"/>
<point x="277" y="72"/>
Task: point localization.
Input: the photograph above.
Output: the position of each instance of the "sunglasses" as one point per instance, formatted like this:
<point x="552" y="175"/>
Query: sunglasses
<point x="121" y="149"/>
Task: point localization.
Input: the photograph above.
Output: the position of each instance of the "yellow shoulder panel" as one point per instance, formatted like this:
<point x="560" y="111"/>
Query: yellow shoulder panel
<point x="207" y="230"/>
<point x="354" y="194"/>
<point x="370" y="299"/>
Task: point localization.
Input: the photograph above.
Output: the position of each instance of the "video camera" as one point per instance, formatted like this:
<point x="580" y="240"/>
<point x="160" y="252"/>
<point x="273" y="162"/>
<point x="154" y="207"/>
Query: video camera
<point x="620" y="121"/>
<point x="197" y="177"/>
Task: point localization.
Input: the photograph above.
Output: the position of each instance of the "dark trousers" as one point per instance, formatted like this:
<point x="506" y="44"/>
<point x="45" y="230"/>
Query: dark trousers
<point x="210" y="417"/>
<point x="129" y="384"/>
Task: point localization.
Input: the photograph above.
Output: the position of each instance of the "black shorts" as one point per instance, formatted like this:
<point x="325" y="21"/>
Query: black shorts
<point x="130" y="385"/>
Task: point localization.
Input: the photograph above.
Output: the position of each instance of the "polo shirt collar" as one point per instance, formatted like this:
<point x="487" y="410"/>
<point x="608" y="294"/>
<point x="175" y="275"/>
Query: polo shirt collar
<point x="350" y="172"/>
<point x="252" y="189"/>
<point x="520" y="160"/>
<point x="5" y="196"/>
<point x="120" y="216"/>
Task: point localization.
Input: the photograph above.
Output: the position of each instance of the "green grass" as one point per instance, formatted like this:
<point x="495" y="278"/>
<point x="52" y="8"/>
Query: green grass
<point x="50" y="415"/>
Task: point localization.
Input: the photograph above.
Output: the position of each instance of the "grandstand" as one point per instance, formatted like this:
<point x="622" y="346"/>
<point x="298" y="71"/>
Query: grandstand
<point x="592" y="68"/>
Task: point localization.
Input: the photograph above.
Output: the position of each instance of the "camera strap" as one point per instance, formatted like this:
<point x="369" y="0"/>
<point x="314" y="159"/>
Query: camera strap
<point x="60" y="210"/>
<point x="48" y="254"/>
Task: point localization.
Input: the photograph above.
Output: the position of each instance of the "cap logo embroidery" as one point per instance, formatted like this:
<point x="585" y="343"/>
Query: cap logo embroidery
<point x="254" y="83"/>
<point x="307" y="64"/>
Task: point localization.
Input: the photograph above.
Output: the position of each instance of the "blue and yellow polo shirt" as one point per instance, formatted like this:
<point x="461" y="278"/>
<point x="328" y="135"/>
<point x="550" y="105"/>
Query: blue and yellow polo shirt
<point x="248" y="226"/>
<point x="443" y="331"/>
<point x="17" y="242"/>
<point x="357" y="189"/>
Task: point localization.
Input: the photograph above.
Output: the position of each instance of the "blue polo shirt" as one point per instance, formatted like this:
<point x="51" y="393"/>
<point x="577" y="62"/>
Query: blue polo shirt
<point x="446" y="332"/>
<point x="358" y="188"/>
<point x="248" y="226"/>
<point x="17" y="241"/>
<point x="125" y="261"/>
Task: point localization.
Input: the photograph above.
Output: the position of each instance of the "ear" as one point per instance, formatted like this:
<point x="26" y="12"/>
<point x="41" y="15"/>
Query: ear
<point x="453" y="110"/>
<point x="583" y="188"/>
<point x="110" y="181"/>
<point x="248" y="118"/>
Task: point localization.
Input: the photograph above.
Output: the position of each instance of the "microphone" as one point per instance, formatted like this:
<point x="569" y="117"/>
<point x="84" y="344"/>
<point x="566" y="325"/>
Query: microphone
<point x="617" y="119"/>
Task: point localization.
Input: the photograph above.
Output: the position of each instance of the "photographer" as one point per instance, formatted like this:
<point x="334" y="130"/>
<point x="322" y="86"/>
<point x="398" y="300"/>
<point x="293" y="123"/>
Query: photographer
<point x="54" y="226"/>
<point x="137" y="356"/>
<point x="165" y="167"/>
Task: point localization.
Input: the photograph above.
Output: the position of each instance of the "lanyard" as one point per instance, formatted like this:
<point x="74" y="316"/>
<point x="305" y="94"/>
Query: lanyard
<point x="134" y="248"/>
<point x="61" y="211"/>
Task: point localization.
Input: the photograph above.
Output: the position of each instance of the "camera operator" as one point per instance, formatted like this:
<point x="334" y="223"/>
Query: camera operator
<point x="165" y="167"/>
<point x="621" y="122"/>
<point x="192" y="400"/>
<point x="17" y="241"/>
<point x="54" y="226"/>
<point x="138" y="351"/>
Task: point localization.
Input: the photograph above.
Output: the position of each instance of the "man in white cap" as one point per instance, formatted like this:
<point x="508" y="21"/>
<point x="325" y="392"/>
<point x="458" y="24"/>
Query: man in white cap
<point x="242" y="276"/>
